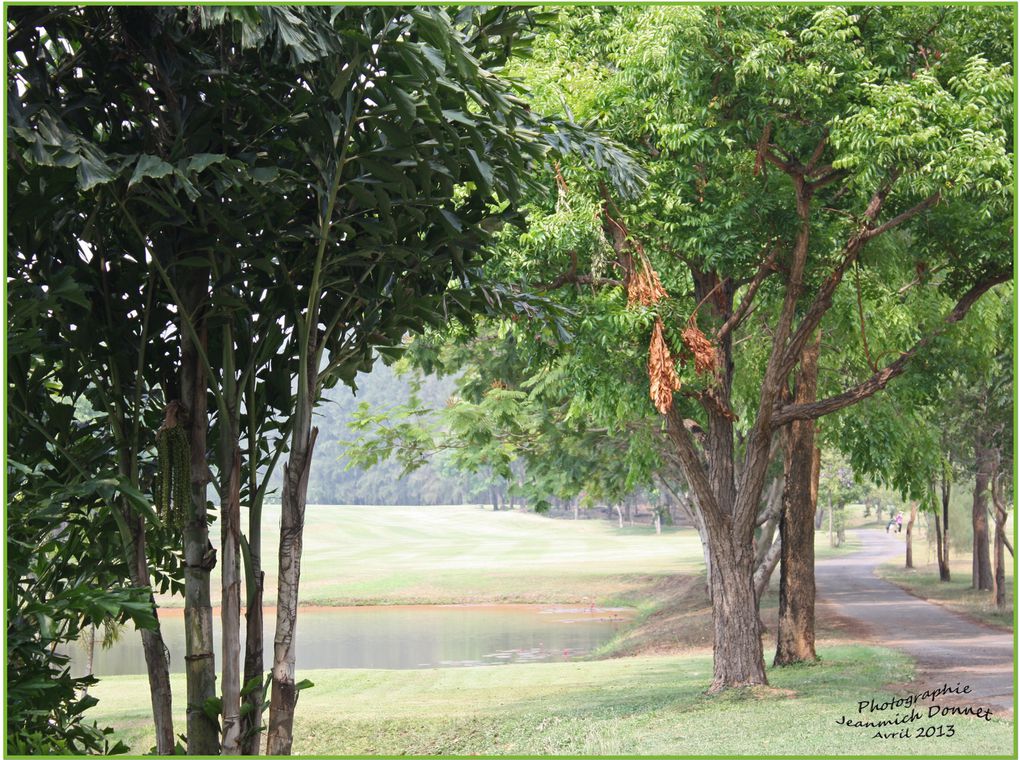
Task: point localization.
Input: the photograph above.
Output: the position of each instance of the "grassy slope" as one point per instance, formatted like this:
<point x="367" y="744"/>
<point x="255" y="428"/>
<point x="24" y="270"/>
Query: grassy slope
<point x="407" y="555"/>
<point x="635" y="705"/>
<point x="957" y="595"/>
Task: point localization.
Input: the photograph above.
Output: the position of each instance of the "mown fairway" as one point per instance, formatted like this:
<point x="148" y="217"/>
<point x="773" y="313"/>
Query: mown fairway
<point x="440" y="555"/>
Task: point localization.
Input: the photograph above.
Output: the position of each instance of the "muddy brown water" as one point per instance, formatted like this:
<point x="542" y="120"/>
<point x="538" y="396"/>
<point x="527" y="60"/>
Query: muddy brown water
<point x="400" y="637"/>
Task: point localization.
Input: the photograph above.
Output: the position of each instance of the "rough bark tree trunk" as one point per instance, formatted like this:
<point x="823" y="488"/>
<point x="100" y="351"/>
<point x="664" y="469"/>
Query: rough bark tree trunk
<point x="738" y="658"/>
<point x="910" y="531"/>
<point x="199" y="555"/>
<point x="795" y="638"/>
<point x="981" y="577"/>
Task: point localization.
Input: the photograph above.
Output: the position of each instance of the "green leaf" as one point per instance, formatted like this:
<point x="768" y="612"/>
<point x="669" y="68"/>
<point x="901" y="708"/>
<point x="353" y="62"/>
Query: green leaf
<point x="212" y="708"/>
<point x="201" y="161"/>
<point x="92" y="172"/>
<point x="150" y="166"/>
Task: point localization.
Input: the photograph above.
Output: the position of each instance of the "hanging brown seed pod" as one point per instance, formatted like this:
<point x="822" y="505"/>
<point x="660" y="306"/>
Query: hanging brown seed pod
<point x="663" y="380"/>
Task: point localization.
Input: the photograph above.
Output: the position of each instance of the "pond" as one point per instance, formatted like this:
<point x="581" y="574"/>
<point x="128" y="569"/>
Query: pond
<point x="411" y="636"/>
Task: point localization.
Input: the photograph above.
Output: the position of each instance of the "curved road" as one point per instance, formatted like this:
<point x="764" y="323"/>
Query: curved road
<point x="948" y="648"/>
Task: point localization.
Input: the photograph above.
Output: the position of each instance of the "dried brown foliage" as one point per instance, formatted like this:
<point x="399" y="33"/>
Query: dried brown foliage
<point x="661" y="372"/>
<point x="701" y="347"/>
<point x="644" y="286"/>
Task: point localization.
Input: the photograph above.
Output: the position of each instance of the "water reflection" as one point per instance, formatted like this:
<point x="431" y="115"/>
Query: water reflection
<point x="422" y="636"/>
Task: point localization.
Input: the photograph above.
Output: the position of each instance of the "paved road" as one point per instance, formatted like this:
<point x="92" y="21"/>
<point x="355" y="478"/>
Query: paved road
<point x="948" y="648"/>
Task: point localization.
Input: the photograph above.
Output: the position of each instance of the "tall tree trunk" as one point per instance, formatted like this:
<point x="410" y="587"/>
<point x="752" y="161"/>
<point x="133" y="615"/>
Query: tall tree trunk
<point x="982" y="567"/>
<point x="1000" y="539"/>
<point x="156" y="665"/>
<point x="230" y="609"/>
<point x="199" y="555"/>
<point x="255" y="578"/>
<point x="910" y="531"/>
<point x="619" y="514"/>
<point x="944" y="572"/>
<point x="230" y="556"/>
<point x="292" y="521"/>
<point x="939" y="555"/>
<point x="795" y="639"/>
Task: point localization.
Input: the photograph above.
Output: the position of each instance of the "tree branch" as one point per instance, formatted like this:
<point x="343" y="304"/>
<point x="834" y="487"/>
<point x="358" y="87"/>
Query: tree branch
<point x="910" y="213"/>
<point x="693" y="468"/>
<point x="880" y="379"/>
<point x="765" y="268"/>
<point x="851" y="251"/>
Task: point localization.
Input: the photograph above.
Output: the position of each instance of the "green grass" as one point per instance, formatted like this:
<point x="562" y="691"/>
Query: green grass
<point x="637" y="705"/>
<point x="448" y="555"/>
<point x="957" y="595"/>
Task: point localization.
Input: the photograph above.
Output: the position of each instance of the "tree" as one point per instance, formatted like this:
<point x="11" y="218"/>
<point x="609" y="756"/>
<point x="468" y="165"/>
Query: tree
<point x="786" y="149"/>
<point x="157" y="152"/>
<point x="75" y="555"/>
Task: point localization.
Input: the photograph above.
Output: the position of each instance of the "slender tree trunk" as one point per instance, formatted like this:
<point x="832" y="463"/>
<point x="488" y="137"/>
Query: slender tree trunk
<point x="619" y="514"/>
<point x="832" y="536"/>
<point x="764" y="571"/>
<point x="231" y="603"/>
<point x="938" y="548"/>
<point x="942" y="530"/>
<point x="251" y="722"/>
<point x="658" y="523"/>
<point x="230" y="556"/>
<point x="944" y="572"/>
<point x="910" y="531"/>
<point x="199" y="555"/>
<point x="692" y="514"/>
<point x="90" y="659"/>
<point x="292" y="521"/>
<point x="982" y="567"/>
<point x="773" y="509"/>
<point x="795" y="639"/>
<point x="1000" y="540"/>
<point x="157" y="666"/>
<point x="156" y="657"/>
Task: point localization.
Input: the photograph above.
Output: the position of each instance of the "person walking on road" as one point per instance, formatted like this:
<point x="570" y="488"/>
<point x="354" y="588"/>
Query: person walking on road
<point x="899" y="522"/>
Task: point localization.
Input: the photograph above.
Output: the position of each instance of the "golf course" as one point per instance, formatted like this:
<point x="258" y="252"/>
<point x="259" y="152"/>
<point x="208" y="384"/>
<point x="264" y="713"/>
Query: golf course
<point x="644" y="692"/>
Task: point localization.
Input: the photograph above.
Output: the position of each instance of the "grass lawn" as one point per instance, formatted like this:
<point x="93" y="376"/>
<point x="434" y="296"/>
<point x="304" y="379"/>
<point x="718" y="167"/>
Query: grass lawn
<point x="634" y="705"/>
<point x="957" y="595"/>
<point x="449" y="555"/>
